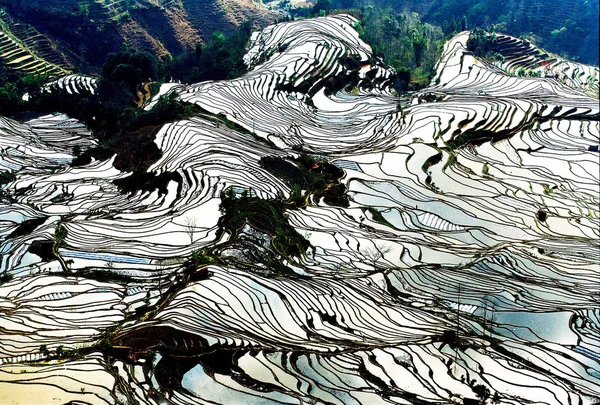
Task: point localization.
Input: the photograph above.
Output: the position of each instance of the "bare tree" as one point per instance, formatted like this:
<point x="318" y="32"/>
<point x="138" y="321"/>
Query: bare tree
<point x="374" y="254"/>
<point x="485" y="309"/>
<point x="337" y="268"/>
<point x="163" y="272"/>
<point x="190" y="227"/>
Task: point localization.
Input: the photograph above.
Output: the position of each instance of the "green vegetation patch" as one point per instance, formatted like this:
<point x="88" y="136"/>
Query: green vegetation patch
<point x="6" y="177"/>
<point x="482" y="43"/>
<point x="134" y="144"/>
<point x="264" y="215"/>
<point x="5" y="277"/>
<point x="26" y="227"/>
<point x="479" y="137"/>
<point x="409" y="45"/>
<point x="60" y="236"/>
<point x="220" y="58"/>
<point x="105" y="276"/>
<point x="317" y="177"/>
<point x="13" y="85"/>
<point x="377" y="216"/>
<point x="201" y="258"/>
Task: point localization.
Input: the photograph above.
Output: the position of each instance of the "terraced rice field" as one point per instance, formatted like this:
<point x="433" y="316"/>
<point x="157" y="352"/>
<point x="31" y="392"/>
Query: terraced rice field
<point x="24" y="49"/>
<point x="72" y="84"/>
<point x="465" y="269"/>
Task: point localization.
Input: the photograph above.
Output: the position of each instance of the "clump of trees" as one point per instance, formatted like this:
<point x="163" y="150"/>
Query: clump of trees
<point x="220" y="58"/>
<point x="200" y="258"/>
<point x="264" y="215"/>
<point x="13" y="85"/>
<point x="406" y="43"/>
<point x="6" y="177"/>
<point x="318" y="177"/>
<point x="125" y="70"/>
<point x="482" y="43"/>
<point x="5" y="277"/>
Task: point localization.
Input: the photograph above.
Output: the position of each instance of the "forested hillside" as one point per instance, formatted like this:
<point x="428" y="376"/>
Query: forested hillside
<point x="85" y="32"/>
<point x="567" y="28"/>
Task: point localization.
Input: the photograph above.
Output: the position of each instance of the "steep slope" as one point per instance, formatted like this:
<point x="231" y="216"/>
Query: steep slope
<point x="559" y="26"/>
<point x="519" y="54"/>
<point x="223" y="15"/>
<point x="24" y="49"/>
<point x="562" y="27"/>
<point x="84" y="32"/>
<point x="463" y="270"/>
